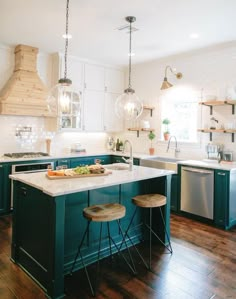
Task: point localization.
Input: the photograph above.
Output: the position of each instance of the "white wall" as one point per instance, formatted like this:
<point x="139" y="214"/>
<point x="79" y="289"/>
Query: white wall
<point x="212" y="69"/>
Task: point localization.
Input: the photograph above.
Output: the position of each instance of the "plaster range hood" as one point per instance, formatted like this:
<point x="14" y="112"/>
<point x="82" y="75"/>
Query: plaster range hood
<point x="24" y="93"/>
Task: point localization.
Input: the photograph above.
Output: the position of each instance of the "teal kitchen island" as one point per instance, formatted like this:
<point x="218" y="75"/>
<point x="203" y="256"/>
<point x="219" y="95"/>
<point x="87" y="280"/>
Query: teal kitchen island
<point x="48" y="223"/>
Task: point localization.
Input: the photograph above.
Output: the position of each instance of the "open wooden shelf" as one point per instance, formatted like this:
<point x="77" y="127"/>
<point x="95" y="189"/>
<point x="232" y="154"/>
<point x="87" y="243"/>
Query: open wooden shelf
<point x="218" y="131"/>
<point x="211" y="104"/>
<point x="140" y="130"/>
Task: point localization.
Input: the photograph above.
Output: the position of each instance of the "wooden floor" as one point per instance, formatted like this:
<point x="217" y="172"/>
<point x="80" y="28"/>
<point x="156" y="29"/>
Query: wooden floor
<point x="203" y="266"/>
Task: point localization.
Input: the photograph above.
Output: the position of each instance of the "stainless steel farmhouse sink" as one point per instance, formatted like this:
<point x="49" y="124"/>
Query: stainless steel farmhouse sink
<point x="161" y="163"/>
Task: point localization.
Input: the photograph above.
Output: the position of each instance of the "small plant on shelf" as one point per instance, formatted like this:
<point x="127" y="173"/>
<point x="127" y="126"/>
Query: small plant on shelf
<point x="166" y="132"/>
<point x="151" y="136"/>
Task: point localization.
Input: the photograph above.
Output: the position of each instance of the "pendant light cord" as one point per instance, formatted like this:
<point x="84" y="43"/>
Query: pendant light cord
<point x="130" y="40"/>
<point x="66" y="43"/>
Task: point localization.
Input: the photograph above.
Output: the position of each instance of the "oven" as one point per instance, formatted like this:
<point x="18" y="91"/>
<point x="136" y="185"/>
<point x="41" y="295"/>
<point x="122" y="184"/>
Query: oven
<point x="29" y="168"/>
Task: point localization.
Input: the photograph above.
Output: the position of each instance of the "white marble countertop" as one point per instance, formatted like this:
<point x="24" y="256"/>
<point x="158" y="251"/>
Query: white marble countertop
<point x="230" y="166"/>
<point x="73" y="185"/>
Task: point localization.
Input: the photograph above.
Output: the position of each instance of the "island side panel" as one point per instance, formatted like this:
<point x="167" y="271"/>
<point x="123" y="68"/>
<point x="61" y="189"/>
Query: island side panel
<point x="38" y="237"/>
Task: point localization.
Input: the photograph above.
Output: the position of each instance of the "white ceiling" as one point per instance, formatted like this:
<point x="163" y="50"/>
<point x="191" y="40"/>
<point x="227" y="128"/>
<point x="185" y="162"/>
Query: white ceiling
<point x="164" y="26"/>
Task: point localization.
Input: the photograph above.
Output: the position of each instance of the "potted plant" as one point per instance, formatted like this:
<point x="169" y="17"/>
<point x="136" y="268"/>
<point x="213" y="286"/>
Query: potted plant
<point x="151" y="136"/>
<point x="166" y="132"/>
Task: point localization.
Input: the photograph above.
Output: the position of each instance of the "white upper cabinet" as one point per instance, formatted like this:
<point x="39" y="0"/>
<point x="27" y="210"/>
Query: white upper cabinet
<point x="94" y="76"/>
<point x="98" y="86"/>
<point x="93" y="111"/>
<point x="114" y="80"/>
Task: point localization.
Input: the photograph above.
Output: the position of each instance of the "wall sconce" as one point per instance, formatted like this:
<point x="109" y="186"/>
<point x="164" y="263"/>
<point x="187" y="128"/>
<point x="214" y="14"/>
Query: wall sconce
<point x="167" y="84"/>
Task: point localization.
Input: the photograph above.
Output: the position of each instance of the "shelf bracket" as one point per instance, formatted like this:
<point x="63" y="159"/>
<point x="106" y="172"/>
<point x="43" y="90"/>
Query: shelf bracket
<point x="211" y="108"/>
<point x="231" y="104"/>
<point x="210" y="136"/>
<point x="232" y="137"/>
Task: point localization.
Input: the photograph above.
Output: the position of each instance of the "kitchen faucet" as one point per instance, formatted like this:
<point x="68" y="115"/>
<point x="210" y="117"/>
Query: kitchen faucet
<point x="130" y="160"/>
<point x="176" y="145"/>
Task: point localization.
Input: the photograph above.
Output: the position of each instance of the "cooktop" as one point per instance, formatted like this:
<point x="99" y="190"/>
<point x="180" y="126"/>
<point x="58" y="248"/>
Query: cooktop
<point x="26" y="155"/>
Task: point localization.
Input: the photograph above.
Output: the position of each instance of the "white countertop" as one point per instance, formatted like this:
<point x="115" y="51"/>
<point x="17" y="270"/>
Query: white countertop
<point x="230" y="166"/>
<point x="73" y="185"/>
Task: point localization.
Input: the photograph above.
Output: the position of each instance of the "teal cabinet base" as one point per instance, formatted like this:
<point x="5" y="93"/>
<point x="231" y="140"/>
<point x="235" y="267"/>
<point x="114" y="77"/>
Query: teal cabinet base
<point x="47" y="230"/>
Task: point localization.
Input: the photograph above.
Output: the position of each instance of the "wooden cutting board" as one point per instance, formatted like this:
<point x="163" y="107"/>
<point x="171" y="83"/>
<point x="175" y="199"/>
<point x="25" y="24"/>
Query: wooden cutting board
<point x="59" y="177"/>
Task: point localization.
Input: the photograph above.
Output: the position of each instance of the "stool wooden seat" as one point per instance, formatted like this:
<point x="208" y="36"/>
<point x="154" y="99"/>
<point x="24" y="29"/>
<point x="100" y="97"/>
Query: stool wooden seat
<point x="104" y="212"/>
<point x="149" y="200"/>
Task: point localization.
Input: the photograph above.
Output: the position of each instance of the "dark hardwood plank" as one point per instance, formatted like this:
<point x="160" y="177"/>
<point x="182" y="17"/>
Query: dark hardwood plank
<point x="203" y="266"/>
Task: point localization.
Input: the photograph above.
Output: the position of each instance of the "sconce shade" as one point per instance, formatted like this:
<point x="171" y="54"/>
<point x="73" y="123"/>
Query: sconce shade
<point x="166" y="84"/>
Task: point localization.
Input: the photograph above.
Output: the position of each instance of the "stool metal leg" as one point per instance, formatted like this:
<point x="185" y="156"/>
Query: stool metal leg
<point x="167" y="235"/>
<point x="109" y="239"/>
<point x="98" y="259"/>
<point x="150" y="238"/>
<point x="126" y="234"/>
<point x="82" y="260"/>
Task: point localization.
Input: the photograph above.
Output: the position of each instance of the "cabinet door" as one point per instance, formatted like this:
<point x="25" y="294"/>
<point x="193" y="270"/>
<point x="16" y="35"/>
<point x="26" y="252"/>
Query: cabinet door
<point x="4" y="189"/>
<point x="112" y="123"/>
<point x="93" y="110"/>
<point x="64" y="163"/>
<point x="114" y="80"/>
<point x="174" y="192"/>
<point x="81" y="161"/>
<point x="221" y="207"/>
<point x="94" y="77"/>
<point x="103" y="159"/>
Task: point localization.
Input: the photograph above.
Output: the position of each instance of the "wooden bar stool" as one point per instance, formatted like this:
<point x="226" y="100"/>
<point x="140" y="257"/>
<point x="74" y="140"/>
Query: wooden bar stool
<point x="150" y="201"/>
<point x="103" y="213"/>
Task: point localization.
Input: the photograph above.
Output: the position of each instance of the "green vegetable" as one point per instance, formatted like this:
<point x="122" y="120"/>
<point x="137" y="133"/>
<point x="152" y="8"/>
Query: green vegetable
<point x="82" y="170"/>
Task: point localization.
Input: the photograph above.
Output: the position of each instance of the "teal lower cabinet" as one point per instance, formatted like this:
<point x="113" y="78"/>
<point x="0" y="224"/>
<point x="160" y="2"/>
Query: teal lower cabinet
<point x="174" y="193"/>
<point x="64" y="163"/>
<point x="47" y="230"/>
<point x="225" y="199"/>
<point x="5" y="189"/>
<point x="118" y="159"/>
<point x="82" y="161"/>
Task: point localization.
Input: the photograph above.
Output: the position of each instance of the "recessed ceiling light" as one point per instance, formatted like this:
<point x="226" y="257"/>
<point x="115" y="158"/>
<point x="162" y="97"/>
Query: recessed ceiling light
<point x="67" y="36"/>
<point x="194" y="35"/>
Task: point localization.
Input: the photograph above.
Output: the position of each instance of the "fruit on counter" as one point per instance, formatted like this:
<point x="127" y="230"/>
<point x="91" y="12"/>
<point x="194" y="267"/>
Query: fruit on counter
<point x="56" y="172"/>
<point x="81" y="170"/>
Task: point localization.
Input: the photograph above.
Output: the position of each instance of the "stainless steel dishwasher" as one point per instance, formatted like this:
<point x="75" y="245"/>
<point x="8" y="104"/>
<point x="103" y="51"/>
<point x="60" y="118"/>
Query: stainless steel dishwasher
<point x="197" y="191"/>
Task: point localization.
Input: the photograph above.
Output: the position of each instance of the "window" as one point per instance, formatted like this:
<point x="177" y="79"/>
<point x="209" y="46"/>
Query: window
<point x="180" y="106"/>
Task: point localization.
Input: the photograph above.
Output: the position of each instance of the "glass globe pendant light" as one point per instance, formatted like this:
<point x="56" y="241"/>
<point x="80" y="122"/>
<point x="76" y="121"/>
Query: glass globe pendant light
<point x="128" y="106"/>
<point x="62" y="96"/>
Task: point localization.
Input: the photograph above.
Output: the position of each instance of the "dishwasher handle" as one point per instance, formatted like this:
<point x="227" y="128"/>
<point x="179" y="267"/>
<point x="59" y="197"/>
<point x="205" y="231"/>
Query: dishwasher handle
<point x="197" y="170"/>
